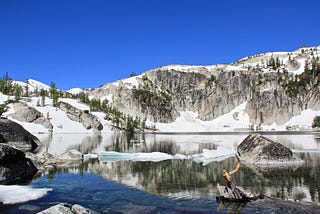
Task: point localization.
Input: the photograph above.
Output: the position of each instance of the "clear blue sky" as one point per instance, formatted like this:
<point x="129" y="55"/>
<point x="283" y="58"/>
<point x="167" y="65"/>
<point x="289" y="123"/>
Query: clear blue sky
<point x="86" y="43"/>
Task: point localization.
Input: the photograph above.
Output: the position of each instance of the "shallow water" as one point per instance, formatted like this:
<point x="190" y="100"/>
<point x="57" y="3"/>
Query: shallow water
<point x="170" y="186"/>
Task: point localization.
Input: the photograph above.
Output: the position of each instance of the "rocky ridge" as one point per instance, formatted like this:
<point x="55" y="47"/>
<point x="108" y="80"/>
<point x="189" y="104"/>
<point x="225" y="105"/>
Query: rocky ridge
<point x="274" y="94"/>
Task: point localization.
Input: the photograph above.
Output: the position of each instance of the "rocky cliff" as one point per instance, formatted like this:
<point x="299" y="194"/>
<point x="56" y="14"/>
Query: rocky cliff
<point x="275" y="87"/>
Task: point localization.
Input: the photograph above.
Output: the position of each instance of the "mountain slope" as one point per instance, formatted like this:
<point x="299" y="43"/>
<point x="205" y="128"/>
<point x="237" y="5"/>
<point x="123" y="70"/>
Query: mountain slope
<point x="269" y="91"/>
<point x="275" y="87"/>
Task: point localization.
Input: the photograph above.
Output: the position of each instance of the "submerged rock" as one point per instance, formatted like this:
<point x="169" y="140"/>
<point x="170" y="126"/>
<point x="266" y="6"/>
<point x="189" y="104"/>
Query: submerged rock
<point x="260" y="150"/>
<point x="14" y="166"/>
<point x="64" y="208"/>
<point x="17" y="136"/>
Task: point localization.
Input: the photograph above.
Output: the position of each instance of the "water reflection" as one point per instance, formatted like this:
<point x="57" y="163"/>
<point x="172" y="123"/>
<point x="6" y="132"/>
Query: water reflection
<point x="188" y="179"/>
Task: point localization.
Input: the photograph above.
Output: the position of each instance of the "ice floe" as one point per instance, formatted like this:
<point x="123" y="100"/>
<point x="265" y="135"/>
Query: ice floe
<point x="11" y="194"/>
<point x="206" y="157"/>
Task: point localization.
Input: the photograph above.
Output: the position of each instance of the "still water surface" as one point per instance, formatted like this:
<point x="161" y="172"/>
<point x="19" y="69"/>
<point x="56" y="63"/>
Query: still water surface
<point x="170" y="186"/>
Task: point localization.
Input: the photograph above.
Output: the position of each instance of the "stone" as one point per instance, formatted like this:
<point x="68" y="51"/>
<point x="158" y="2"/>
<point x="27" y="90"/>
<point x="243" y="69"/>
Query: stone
<point x="25" y="113"/>
<point x="14" y="166"/>
<point x="260" y="150"/>
<point x="64" y="208"/>
<point x="88" y="120"/>
<point x="70" y="156"/>
<point x="17" y="136"/>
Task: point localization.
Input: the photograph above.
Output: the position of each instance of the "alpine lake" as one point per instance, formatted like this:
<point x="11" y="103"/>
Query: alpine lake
<point x="174" y="185"/>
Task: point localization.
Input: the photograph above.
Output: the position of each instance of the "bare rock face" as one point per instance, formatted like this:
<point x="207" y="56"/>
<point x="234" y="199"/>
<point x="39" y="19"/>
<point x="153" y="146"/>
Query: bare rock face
<point x="211" y="92"/>
<point x="260" y="150"/>
<point x="28" y="114"/>
<point x="14" y="166"/>
<point x="89" y="121"/>
<point x="16" y="135"/>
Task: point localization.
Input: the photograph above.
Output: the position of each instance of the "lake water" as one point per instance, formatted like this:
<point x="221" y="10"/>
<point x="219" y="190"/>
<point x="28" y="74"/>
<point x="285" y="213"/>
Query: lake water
<point x="168" y="186"/>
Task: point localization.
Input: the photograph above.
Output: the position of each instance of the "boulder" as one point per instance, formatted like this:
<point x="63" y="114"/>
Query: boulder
<point x="260" y="150"/>
<point x="25" y="113"/>
<point x="17" y="136"/>
<point x="70" y="156"/>
<point x="88" y="120"/>
<point x="64" y="208"/>
<point x="14" y="166"/>
<point x="47" y="161"/>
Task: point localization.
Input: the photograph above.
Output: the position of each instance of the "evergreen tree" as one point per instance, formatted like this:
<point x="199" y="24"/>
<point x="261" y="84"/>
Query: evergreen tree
<point x="54" y="94"/>
<point x="27" y="89"/>
<point x="17" y="92"/>
<point x="43" y="96"/>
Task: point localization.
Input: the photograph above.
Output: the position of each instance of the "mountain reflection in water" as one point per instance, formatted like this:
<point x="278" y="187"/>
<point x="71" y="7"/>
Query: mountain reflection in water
<point x="185" y="179"/>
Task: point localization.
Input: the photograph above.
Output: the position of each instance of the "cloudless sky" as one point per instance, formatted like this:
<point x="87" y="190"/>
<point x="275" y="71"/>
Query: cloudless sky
<point x="87" y="43"/>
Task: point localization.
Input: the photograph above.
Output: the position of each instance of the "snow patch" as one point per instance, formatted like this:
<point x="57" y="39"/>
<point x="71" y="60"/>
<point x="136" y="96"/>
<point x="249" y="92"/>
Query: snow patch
<point x="189" y="122"/>
<point x="75" y="91"/>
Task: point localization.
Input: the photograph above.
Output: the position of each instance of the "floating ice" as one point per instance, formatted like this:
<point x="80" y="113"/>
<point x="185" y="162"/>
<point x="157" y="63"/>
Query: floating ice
<point x="11" y="194"/>
<point x="207" y="156"/>
<point x="305" y="150"/>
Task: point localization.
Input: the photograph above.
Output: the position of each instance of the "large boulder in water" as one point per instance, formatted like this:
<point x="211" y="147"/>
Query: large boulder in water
<point x="14" y="166"/>
<point x="17" y="136"/>
<point x="260" y="150"/>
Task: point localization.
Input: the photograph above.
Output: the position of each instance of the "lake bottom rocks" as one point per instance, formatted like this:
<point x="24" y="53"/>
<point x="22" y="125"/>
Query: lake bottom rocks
<point x="64" y="208"/>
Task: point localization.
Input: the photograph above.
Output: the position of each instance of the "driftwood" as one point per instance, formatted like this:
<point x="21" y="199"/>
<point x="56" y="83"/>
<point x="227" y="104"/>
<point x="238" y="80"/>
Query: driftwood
<point x="234" y="193"/>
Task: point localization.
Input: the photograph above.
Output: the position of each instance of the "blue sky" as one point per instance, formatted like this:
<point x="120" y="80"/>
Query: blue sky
<point x="86" y="43"/>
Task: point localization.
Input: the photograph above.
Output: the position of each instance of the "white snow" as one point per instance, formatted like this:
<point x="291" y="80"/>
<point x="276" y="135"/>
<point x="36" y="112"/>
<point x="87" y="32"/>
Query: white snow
<point x="189" y="122"/>
<point x="36" y="84"/>
<point x="131" y="81"/>
<point x="303" y="121"/>
<point x="11" y="194"/>
<point x="75" y="103"/>
<point x="75" y="91"/>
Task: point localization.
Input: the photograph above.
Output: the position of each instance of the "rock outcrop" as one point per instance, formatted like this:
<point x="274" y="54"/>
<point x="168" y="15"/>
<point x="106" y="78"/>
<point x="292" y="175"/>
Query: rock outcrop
<point x="14" y="166"/>
<point x="46" y="160"/>
<point x="16" y="135"/>
<point x="25" y="113"/>
<point x="88" y="120"/>
<point x="159" y="94"/>
<point x="259" y="150"/>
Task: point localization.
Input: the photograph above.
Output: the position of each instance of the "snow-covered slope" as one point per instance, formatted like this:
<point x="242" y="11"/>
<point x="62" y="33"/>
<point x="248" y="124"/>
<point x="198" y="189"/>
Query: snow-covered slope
<point x="60" y="121"/>
<point x="33" y="85"/>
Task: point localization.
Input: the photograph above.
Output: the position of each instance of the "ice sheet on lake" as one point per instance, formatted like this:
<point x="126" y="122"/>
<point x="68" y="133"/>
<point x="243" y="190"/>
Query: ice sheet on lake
<point x="11" y="194"/>
<point x="207" y="156"/>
